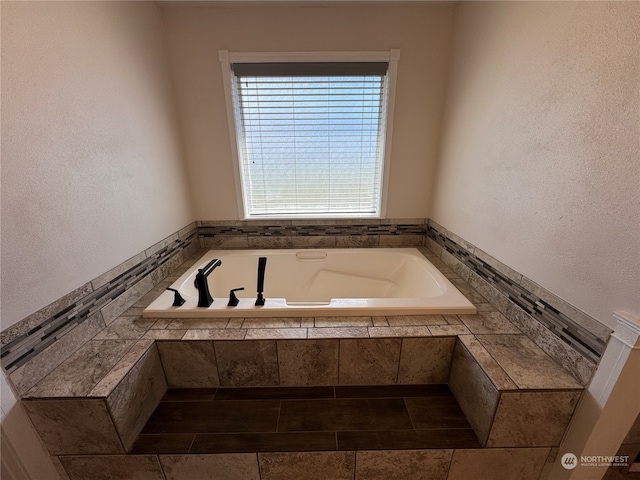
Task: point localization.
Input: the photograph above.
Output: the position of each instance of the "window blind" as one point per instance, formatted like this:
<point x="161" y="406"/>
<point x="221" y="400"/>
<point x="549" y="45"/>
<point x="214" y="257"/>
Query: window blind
<point x="310" y="137"/>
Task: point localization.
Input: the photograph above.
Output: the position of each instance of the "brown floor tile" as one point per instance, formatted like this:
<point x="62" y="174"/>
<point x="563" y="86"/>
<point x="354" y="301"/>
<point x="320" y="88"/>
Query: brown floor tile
<point x="214" y="417"/>
<point x="387" y="391"/>
<point x="408" y="439"/>
<point x="264" y="442"/>
<point x="274" y="393"/>
<point x="435" y="412"/>
<point x="189" y="394"/>
<point x="163" y="443"/>
<point x="334" y="415"/>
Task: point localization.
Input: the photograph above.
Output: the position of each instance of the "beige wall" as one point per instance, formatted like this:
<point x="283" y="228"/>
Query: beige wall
<point x="422" y="33"/>
<point x="91" y="162"/>
<point x="539" y="161"/>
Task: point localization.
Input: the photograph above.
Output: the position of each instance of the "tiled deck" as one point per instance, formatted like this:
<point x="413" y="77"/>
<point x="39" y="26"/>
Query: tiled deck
<point x="285" y="419"/>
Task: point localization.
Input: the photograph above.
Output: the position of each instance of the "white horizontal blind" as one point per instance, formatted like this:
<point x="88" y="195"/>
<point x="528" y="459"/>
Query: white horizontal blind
<point x="310" y="142"/>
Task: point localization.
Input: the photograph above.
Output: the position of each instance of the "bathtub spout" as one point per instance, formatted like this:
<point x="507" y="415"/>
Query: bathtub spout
<point x="262" y="265"/>
<point x="201" y="283"/>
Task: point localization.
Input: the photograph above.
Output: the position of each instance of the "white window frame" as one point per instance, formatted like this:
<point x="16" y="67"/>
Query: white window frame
<point x="228" y="58"/>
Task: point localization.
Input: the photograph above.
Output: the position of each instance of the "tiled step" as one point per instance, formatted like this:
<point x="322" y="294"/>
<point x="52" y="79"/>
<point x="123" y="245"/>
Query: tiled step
<point x="285" y="419"/>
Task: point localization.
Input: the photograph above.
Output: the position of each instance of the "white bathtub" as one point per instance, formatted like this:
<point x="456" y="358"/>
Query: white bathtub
<point x="314" y="283"/>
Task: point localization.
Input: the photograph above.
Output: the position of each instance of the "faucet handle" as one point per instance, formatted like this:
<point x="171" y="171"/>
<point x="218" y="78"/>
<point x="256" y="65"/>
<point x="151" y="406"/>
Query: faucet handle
<point x="178" y="301"/>
<point x="233" y="300"/>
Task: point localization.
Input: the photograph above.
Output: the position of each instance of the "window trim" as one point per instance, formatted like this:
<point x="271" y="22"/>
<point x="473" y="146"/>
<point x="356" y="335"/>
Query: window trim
<point x="227" y="58"/>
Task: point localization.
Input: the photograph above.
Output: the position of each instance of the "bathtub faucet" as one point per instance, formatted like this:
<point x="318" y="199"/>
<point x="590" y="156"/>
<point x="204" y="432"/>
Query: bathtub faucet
<point x="204" y="297"/>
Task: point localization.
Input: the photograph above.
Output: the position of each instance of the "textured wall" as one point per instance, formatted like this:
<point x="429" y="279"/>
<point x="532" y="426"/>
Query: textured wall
<point x="91" y="162"/>
<point x="423" y="34"/>
<point x="539" y="163"/>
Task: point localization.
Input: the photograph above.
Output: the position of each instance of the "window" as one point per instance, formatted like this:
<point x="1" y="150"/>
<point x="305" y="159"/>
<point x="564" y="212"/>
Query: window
<point x="310" y="136"/>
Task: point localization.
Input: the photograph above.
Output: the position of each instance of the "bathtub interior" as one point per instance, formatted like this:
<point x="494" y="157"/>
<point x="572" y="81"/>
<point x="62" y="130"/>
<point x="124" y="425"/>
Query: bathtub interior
<point x="344" y="280"/>
<point x="318" y="276"/>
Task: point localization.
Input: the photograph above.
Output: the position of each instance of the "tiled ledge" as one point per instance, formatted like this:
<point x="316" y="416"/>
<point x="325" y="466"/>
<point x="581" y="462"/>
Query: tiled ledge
<point x="96" y="402"/>
<point x="568" y="335"/>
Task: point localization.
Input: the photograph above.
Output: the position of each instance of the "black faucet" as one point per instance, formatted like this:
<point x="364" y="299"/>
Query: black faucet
<point x="262" y="265"/>
<point x="204" y="297"/>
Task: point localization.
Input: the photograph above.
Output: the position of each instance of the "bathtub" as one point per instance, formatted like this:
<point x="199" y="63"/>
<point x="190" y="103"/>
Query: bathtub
<point x="316" y="283"/>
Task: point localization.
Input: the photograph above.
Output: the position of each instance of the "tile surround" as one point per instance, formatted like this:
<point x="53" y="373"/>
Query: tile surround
<point x="507" y="289"/>
<point x="123" y="326"/>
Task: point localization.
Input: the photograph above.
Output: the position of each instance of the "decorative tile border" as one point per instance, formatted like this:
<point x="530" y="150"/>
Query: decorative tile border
<point x="290" y="228"/>
<point x="106" y="296"/>
<point x="585" y="335"/>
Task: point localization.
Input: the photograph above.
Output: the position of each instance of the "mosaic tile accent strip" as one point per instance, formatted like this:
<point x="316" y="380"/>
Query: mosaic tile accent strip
<point x="324" y="228"/>
<point x="17" y="351"/>
<point x="578" y="337"/>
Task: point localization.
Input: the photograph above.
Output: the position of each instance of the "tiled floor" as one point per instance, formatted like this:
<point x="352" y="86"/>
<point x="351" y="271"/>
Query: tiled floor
<point x="282" y="419"/>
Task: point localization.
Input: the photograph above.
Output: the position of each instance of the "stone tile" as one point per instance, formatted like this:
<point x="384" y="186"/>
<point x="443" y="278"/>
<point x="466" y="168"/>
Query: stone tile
<point x="357" y="241"/>
<point x="267" y="333"/>
<point x="453" y="319"/>
<point x="401" y="320"/>
<point x="339" y="322"/>
<point x="458" y="267"/>
<point x="82" y="371"/>
<point x="369" y="361"/>
<point x="474" y="391"/>
<point x="491" y="368"/>
<point x="400" y="240"/>
<point x="235" y="323"/>
<point x="250" y="363"/>
<point x="499" y="266"/>
<point x="135" y="398"/>
<point x="59" y="468"/>
<point x="165" y="334"/>
<point x="225" y="466"/>
<point x="189" y="364"/>
<point x="226" y="241"/>
<point x="591" y="324"/>
<point x="307" y="465"/>
<point x="498" y="463"/>
<point x="418" y="331"/>
<point x="448" y="330"/>
<point x="155" y="248"/>
<point x="270" y="242"/>
<point x="118" y="270"/>
<point x="484" y="307"/>
<point x="113" y="467"/>
<point x="346" y="332"/>
<point x="488" y="322"/>
<point x="526" y="364"/>
<point x="126" y="328"/>
<point x="28" y="323"/>
<point x="154" y="293"/>
<point x="74" y="426"/>
<point x="532" y="419"/>
<point x="121" y="369"/>
<point x="29" y="374"/>
<point x="425" y="360"/>
<point x="380" y="321"/>
<point x="307" y="322"/>
<point x="410" y="464"/>
<point x="270" y="322"/>
<point x="308" y="362"/>
<point x="215" y="334"/>
<point x="433" y="246"/>
<point x="120" y="304"/>
<point x="197" y="323"/>
<point x="161" y="323"/>
<point x="133" y="312"/>
<point x="580" y="367"/>
<point x="315" y="241"/>
<point x="162" y="271"/>
<point x="499" y="301"/>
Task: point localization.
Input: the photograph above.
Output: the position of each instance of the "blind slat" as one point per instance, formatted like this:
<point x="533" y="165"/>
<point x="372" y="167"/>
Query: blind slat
<point x="310" y="144"/>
